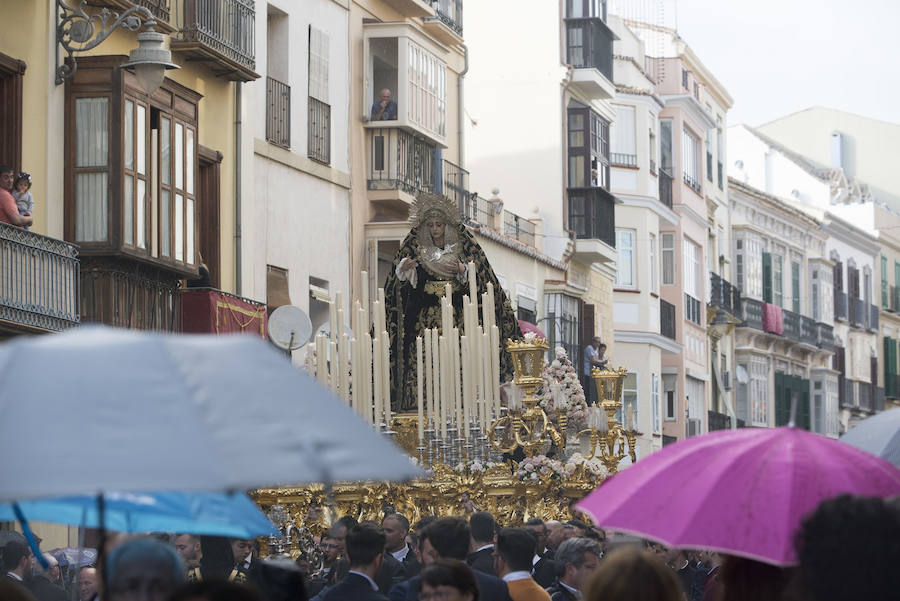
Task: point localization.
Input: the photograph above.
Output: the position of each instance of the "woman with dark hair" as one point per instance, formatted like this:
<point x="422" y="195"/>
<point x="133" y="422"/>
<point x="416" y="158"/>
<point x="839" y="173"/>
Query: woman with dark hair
<point x="633" y="575"/>
<point x="448" y="580"/>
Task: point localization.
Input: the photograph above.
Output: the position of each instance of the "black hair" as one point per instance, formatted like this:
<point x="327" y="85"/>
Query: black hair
<point x="483" y="526"/>
<point x="450" y="572"/>
<point x="449" y="537"/>
<point x="5" y="169"/>
<point x="13" y="553"/>
<point x="347" y="522"/>
<point x="516" y="546"/>
<point x="534" y="522"/>
<point x="364" y="543"/>
<point x="404" y="523"/>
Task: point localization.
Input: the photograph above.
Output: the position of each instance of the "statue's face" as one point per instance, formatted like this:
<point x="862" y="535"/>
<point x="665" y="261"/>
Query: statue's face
<point x="436" y="228"/>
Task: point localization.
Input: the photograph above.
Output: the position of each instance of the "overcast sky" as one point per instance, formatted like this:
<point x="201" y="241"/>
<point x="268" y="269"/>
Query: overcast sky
<point x="779" y="56"/>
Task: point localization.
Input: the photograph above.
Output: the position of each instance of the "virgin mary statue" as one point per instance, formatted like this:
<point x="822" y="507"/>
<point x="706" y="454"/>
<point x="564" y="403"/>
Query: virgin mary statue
<point x="436" y="252"/>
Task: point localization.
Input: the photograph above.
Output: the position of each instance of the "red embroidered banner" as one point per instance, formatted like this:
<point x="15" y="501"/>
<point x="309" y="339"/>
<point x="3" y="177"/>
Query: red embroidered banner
<point x="207" y="311"/>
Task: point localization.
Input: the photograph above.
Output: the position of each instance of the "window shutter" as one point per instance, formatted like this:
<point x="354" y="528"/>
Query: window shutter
<point x="318" y="64"/>
<point x="767" y="277"/>
<point x="795" y="287"/>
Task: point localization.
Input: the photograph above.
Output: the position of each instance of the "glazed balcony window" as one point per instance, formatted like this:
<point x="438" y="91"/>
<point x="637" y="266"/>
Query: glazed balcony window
<point x="406" y="81"/>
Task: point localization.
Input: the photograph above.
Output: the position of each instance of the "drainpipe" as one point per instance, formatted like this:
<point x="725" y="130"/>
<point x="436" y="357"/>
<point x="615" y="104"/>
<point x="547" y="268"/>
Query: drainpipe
<point x="460" y="111"/>
<point x="238" y="285"/>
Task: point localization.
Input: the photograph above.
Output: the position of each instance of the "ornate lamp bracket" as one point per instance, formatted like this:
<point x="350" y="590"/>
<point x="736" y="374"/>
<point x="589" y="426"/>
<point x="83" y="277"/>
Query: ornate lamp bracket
<point x="78" y="31"/>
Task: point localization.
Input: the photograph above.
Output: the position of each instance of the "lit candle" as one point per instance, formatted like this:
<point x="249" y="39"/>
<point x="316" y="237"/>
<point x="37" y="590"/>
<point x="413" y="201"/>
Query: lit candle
<point x="333" y="331"/>
<point x="428" y="375"/>
<point x="321" y="359"/>
<point x="420" y="374"/>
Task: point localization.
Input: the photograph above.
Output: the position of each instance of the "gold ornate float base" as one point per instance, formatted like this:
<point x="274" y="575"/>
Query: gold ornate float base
<point x="447" y="492"/>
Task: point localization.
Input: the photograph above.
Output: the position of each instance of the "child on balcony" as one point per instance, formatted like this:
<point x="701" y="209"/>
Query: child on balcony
<point x="24" y="200"/>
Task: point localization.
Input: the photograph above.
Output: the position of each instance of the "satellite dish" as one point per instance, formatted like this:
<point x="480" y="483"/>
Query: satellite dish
<point x="289" y="327"/>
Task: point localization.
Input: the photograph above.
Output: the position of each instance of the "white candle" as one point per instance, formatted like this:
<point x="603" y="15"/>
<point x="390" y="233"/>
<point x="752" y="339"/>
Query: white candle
<point x="333" y="330"/>
<point x="344" y="358"/>
<point x="376" y="312"/>
<point x="457" y="384"/>
<point x="445" y="386"/>
<point x="376" y="376"/>
<point x="386" y="377"/>
<point x="367" y="377"/>
<point x="429" y="376"/>
<point x="466" y="384"/>
<point x="334" y="371"/>
<point x="495" y="367"/>
<point x="473" y="287"/>
<point x="435" y="380"/>
<point x="364" y="280"/>
<point x="321" y="360"/>
<point x="419" y="387"/>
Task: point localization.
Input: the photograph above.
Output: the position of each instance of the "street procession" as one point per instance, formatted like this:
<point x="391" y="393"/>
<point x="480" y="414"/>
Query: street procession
<point x="543" y="300"/>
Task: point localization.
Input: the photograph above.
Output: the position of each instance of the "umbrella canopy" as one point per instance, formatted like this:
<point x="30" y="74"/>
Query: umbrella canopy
<point x="75" y="556"/>
<point x="159" y="412"/>
<point x="527" y="326"/>
<point x="742" y="492"/>
<point x="218" y="514"/>
<point x="878" y="435"/>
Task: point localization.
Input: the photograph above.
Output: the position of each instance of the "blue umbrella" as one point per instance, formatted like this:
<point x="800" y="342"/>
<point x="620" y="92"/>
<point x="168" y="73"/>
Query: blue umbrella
<point x="233" y="515"/>
<point x="878" y="435"/>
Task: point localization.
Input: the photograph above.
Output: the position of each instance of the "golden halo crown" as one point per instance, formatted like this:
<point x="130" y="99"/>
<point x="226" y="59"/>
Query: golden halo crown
<point x="428" y="204"/>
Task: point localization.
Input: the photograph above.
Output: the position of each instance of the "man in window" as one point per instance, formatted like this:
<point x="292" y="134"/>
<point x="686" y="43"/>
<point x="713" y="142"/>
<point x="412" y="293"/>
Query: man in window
<point x="9" y="212"/>
<point x="594" y="356"/>
<point x="385" y="109"/>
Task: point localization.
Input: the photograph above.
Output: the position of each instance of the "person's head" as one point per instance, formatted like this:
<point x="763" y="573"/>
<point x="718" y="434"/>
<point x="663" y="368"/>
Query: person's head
<point x="515" y="551"/>
<point x="22" y="183"/>
<point x="143" y="568"/>
<point x="580" y="527"/>
<point x="7" y="177"/>
<point x="331" y="547"/>
<point x="214" y="590"/>
<point x="483" y="527"/>
<point x="748" y="580"/>
<point x="445" y="538"/>
<point x="448" y="580"/>
<point x="540" y="531"/>
<point x="595" y="341"/>
<point x="339" y="532"/>
<point x="576" y="559"/>
<point x="436" y="227"/>
<point x="632" y="575"/>
<point x="188" y="547"/>
<point x="87" y="583"/>
<point x="601" y="349"/>
<point x="385" y="95"/>
<point x="365" y="546"/>
<point x="241" y="549"/>
<point x="555" y="534"/>
<point x="396" y="527"/>
<point x="17" y="558"/>
<point x="848" y="548"/>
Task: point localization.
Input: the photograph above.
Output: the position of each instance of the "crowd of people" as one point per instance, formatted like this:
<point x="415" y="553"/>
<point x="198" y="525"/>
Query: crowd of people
<point x="847" y="549"/>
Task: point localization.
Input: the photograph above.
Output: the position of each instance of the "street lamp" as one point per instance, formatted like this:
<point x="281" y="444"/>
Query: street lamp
<point x="78" y="31"/>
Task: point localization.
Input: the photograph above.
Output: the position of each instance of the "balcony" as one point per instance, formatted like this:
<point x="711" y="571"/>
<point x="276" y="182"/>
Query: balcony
<point x="211" y="311"/>
<point x="518" y="228"/>
<point x="589" y="49"/>
<point x="221" y="34"/>
<point x="872" y="323"/>
<point x="477" y="210"/>
<point x="618" y="159"/>
<point x="723" y="295"/>
<point x="400" y="165"/>
<point x="894" y="299"/>
<point x="857" y="312"/>
<point x="865" y="396"/>
<point x="752" y="313"/>
<point x="278" y="113"/>
<point x="791" y="325"/>
<point x="721" y="421"/>
<point x="158" y="8"/>
<point x="807" y="330"/>
<point x="412" y="8"/>
<point x="665" y="188"/>
<point x="840" y="306"/>
<point x="693" y="183"/>
<point x="455" y="183"/>
<point x="446" y="24"/>
<point x="39" y="282"/>
<point x="846" y="393"/>
<point x="825" y="336"/>
<point x="592" y="219"/>
<point x="667" y="319"/>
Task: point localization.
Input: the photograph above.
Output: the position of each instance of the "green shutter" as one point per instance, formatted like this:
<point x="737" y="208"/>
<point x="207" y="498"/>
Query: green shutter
<point x="767" y="277"/>
<point x="804" y="418"/>
<point x="886" y="357"/>
<point x="795" y="287"/>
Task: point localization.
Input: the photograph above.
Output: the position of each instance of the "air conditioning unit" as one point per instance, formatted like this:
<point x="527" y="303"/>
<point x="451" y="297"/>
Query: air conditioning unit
<point x="726" y="380"/>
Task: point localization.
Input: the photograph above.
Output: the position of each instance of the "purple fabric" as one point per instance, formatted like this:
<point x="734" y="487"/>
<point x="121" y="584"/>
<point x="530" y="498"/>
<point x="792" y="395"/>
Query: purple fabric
<point x="742" y="492"/>
<point x="772" y="318"/>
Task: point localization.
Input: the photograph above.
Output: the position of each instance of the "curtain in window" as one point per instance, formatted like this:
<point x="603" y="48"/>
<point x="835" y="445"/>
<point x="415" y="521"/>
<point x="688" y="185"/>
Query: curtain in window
<point x="691" y="156"/>
<point x="318" y="64"/>
<point x="91" y="153"/>
<point x="623" y="132"/>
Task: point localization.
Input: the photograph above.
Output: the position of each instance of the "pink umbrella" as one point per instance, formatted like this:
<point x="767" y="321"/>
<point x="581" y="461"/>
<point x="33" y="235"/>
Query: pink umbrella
<point x="742" y="492"/>
<point x="527" y="326"/>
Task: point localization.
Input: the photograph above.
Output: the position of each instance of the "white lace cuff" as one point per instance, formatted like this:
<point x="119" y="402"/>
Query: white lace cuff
<point x="410" y="275"/>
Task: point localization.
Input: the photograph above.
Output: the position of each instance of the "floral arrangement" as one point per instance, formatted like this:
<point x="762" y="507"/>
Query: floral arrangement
<point x="429" y="471"/>
<point x="473" y="466"/>
<point x="561" y="373"/>
<point x="541" y="467"/>
<point x="593" y="468"/>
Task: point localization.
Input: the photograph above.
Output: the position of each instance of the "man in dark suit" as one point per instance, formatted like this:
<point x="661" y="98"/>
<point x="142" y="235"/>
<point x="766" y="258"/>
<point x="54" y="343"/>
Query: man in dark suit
<point x="448" y="538"/>
<point x="687" y="574"/>
<point x="18" y="563"/>
<point x="483" y="528"/>
<point x="396" y="528"/>
<point x="544" y="568"/>
<point x="42" y="585"/>
<point x="365" y="550"/>
<point x="577" y="559"/>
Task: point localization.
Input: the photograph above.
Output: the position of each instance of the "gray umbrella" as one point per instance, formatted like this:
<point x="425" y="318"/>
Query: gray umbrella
<point x="878" y="435"/>
<point x="102" y="409"/>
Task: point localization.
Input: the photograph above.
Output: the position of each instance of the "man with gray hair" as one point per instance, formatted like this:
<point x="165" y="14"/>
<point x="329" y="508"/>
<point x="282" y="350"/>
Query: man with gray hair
<point x="576" y="560"/>
<point x="396" y="528"/>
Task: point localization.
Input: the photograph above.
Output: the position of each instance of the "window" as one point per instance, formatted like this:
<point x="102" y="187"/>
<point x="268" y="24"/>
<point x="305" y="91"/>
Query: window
<point x="562" y="323"/>
<point x="815" y="294"/>
<point x="665" y="146"/>
<point x="739" y="263"/>
<point x="773" y="279"/>
<point x="576" y="9"/>
<point x="692" y="278"/>
<point x="654" y="401"/>
<point x="884" y="282"/>
<point x="91" y="169"/>
<point x="668" y="258"/>
<point x="691" y="158"/>
<point x="625" y="271"/>
<point x="653" y="282"/>
<point x="670" y="388"/>
<point x="695" y="390"/>
<point x="624" y="151"/>
<point x="795" y="287"/>
<point x="526" y="309"/>
<point x="652" y="152"/>
<point x="12" y="74"/>
<point x="588" y="149"/>
<point x="709" y="157"/>
<point x="759" y="391"/>
<point x="628" y="414"/>
<point x="319" y="122"/>
<point x="720" y="152"/>
<point x="427" y="89"/>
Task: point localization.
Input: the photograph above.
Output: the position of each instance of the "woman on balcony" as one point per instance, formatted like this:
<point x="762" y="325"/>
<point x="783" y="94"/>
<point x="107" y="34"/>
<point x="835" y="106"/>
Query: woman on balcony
<point x="436" y="252"/>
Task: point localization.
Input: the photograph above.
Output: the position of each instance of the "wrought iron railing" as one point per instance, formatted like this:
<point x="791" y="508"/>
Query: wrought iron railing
<point x="807" y="330"/>
<point x="841" y="312"/>
<point x="865" y="396"/>
<point x="278" y="112"/>
<point x="872" y="324"/>
<point x="39" y="280"/>
<point x="692" y="309"/>
<point x="589" y="43"/>
<point x="825" y="336"/>
<point x="476" y="209"/>
<point x="592" y="214"/>
<point x="791" y="325"/>
<point x="879" y="398"/>
<point x="667" y="319"/>
<point x="455" y="183"/>
<point x="752" y="313"/>
<point x="618" y="159"/>
<point x="665" y="188"/>
<point x="692" y="182"/>
<point x="319" y="131"/>
<point x="518" y="227"/>
<point x="158" y="8"/>
<point x="858" y="310"/>
<point x="399" y="160"/>
<point x="724" y="295"/>
<point x="226" y="26"/>
<point x="450" y="13"/>
<point x="721" y="421"/>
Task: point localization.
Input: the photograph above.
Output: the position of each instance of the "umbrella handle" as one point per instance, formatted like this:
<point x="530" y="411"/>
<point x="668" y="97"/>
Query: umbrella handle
<point x="29" y="536"/>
